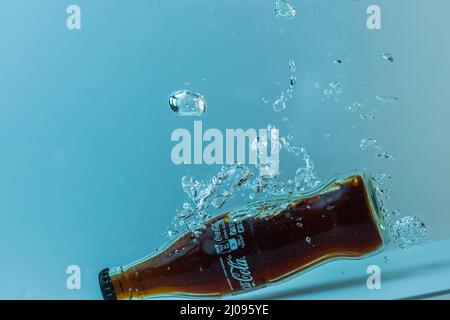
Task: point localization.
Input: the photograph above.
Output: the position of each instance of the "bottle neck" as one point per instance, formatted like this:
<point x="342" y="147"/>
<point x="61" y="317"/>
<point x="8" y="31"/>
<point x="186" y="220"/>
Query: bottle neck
<point x="125" y="284"/>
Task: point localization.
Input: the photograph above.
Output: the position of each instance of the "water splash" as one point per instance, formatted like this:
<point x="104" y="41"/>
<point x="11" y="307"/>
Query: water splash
<point x="204" y="195"/>
<point x="305" y="177"/>
<point x="407" y="231"/>
<point x="402" y="232"/>
<point x="232" y="180"/>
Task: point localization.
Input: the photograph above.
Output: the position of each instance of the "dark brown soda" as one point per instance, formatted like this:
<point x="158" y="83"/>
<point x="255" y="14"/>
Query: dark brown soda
<point x="237" y="253"/>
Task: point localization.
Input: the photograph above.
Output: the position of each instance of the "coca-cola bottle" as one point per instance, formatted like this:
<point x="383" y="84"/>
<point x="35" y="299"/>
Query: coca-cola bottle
<point x="258" y="245"/>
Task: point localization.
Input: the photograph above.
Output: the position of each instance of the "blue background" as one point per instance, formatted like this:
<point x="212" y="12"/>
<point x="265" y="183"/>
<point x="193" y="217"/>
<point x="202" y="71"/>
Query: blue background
<point x="85" y="171"/>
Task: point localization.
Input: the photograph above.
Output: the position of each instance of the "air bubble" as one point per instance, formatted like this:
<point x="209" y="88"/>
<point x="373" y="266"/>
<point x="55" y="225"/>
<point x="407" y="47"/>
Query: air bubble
<point x="279" y="104"/>
<point x="284" y="9"/>
<point x="292" y="81"/>
<point x="384" y="99"/>
<point x="408" y="231"/>
<point x="387" y="56"/>
<point x="367" y="143"/>
<point x="292" y="66"/>
<point x="354" y="107"/>
<point x="186" y="103"/>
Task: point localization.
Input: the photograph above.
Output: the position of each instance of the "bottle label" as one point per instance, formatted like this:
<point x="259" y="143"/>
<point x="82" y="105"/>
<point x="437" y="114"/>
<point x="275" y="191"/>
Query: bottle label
<point x="229" y="244"/>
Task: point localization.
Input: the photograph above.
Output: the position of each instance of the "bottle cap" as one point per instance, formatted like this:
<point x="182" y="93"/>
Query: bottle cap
<point x="106" y="285"/>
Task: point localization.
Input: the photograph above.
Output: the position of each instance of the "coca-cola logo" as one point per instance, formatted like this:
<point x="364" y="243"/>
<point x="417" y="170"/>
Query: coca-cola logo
<point x="240" y="271"/>
<point x="215" y="227"/>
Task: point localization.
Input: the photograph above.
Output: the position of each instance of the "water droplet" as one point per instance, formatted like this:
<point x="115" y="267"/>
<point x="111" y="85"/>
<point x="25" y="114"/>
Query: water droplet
<point x="299" y="224"/>
<point x="396" y="212"/>
<point x="186" y="103"/>
<point x="367" y="116"/>
<point x="292" y="81"/>
<point x="386" y="99"/>
<point x="295" y="150"/>
<point x="327" y="92"/>
<point x="197" y="233"/>
<point x="292" y="66"/>
<point x="186" y="212"/>
<point x="284" y="9"/>
<point x="367" y="143"/>
<point x="305" y="176"/>
<point x="384" y="155"/>
<point x="333" y="87"/>
<point x="308" y="239"/>
<point x="279" y="104"/>
<point x="334" y="84"/>
<point x="387" y="56"/>
<point x="354" y="107"/>
<point x="171" y="234"/>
